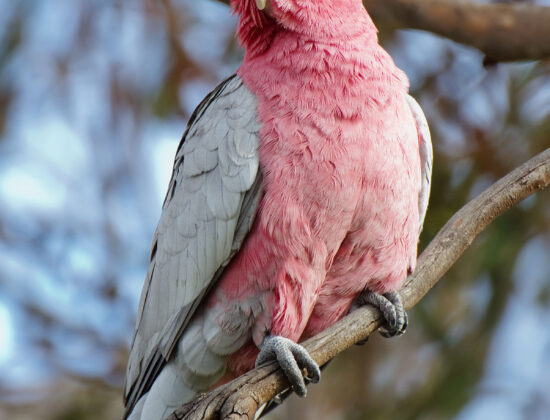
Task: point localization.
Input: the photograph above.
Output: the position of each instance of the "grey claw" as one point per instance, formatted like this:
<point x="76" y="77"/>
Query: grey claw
<point x="402" y="318"/>
<point x="362" y="342"/>
<point x="391" y="306"/>
<point x="291" y="357"/>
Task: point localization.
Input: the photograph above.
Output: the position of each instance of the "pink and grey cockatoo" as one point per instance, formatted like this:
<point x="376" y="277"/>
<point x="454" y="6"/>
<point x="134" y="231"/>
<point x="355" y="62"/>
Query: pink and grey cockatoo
<point x="299" y="190"/>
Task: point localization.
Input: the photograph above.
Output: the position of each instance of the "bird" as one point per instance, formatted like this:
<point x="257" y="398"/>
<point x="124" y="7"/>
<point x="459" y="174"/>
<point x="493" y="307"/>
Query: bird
<point x="298" y="192"/>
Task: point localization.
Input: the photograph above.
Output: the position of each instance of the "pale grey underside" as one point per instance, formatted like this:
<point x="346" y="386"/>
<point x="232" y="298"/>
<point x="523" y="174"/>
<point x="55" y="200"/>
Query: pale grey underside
<point x="209" y="209"/>
<point x="426" y="157"/>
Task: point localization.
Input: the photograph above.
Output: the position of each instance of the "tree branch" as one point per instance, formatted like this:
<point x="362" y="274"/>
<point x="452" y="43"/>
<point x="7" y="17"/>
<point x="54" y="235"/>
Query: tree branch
<point x="503" y="32"/>
<point x="243" y="396"/>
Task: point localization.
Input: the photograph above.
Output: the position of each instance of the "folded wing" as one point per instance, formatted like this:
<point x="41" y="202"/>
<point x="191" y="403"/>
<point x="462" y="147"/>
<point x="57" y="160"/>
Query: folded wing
<point x="208" y="210"/>
<point x="426" y="157"/>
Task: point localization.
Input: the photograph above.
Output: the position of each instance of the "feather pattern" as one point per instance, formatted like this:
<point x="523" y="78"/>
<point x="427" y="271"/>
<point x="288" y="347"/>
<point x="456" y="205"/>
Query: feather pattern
<point x="209" y="208"/>
<point x="426" y="157"/>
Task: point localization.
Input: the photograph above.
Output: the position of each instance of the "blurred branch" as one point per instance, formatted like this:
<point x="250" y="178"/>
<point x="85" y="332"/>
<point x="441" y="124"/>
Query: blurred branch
<point x="503" y="32"/>
<point x="245" y="395"/>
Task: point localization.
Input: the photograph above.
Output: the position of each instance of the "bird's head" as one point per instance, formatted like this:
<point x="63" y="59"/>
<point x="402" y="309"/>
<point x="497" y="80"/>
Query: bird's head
<point x="318" y="19"/>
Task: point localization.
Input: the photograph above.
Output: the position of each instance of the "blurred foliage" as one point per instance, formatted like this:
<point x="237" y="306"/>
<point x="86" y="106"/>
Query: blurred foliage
<point x="93" y="99"/>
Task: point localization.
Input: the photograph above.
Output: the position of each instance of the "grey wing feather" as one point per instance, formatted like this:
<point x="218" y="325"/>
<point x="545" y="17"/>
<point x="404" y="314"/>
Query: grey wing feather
<point x="426" y="157"/>
<point x="209" y="208"/>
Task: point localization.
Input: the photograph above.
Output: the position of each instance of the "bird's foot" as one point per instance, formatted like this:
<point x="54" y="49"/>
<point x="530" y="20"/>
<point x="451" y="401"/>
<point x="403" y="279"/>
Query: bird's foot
<point x="292" y="358"/>
<point x="391" y="306"/>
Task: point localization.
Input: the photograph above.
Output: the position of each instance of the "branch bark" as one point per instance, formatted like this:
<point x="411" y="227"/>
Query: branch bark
<point x="503" y="32"/>
<point x="243" y="396"/>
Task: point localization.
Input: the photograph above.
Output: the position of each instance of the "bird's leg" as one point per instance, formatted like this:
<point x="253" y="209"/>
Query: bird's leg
<point x="391" y="306"/>
<point x="292" y="358"/>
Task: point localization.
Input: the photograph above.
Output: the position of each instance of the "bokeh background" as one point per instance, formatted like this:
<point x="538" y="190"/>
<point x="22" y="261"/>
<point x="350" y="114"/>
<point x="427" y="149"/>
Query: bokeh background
<point x="94" y="97"/>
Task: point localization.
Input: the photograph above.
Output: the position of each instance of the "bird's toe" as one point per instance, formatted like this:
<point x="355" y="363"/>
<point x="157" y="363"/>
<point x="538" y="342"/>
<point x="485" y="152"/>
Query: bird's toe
<point x="292" y="358"/>
<point x="391" y="306"/>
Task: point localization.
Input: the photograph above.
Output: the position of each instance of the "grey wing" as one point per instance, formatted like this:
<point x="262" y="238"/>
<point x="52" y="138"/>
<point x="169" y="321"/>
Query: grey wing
<point x="426" y="157"/>
<point x="208" y="210"/>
